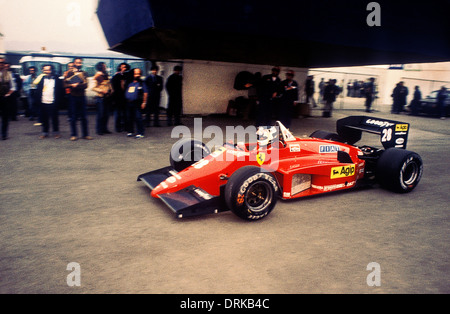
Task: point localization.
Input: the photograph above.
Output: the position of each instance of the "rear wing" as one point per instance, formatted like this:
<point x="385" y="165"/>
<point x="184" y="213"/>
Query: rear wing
<point x="392" y="133"/>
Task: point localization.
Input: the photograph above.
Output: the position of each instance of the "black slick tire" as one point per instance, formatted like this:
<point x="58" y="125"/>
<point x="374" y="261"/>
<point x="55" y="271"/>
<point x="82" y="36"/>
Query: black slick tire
<point x="250" y="193"/>
<point x="399" y="170"/>
<point x="325" y="135"/>
<point x="186" y="152"/>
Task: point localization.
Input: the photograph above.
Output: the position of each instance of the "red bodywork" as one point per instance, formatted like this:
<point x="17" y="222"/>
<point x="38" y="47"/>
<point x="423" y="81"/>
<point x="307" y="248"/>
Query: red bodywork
<point x="302" y="167"/>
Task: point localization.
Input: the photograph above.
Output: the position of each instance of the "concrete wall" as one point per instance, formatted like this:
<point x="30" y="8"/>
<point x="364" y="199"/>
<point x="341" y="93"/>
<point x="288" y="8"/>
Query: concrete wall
<point x="208" y="86"/>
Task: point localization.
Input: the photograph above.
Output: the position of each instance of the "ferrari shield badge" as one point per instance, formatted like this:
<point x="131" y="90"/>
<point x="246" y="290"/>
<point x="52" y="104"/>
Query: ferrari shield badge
<point x="260" y="158"/>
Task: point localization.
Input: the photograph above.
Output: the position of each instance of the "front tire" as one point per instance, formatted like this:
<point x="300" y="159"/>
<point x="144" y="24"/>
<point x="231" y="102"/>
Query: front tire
<point x="399" y="170"/>
<point x="186" y="152"/>
<point x="250" y="193"/>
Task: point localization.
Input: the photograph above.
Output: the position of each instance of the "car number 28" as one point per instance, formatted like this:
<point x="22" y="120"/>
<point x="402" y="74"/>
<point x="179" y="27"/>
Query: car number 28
<point x="387" y="135"/>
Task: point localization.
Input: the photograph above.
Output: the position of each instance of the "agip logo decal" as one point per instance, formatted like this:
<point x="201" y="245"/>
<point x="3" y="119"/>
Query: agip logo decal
<point x="401" y="127"/>
<point x="342" y="171"/>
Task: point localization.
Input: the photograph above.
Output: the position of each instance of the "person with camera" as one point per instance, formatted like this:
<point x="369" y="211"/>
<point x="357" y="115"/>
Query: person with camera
<point x="76" y="80"/>
<point x="102" y="86"/>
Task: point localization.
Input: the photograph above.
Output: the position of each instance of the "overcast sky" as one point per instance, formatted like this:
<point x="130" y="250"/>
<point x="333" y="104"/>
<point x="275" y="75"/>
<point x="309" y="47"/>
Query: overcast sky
<point x="58" y="25"/>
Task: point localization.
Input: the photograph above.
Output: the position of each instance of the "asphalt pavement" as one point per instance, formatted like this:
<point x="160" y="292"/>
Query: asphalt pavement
<point x="73" y="219"/>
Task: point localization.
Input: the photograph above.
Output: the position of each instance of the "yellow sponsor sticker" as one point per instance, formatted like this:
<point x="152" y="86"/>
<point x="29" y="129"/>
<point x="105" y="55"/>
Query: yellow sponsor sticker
<point x="342" y="171"/>
<point x="401" y="127"/>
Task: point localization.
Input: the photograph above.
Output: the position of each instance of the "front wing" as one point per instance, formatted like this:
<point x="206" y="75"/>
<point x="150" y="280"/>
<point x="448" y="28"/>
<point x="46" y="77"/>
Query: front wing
<point x="191" y="201"/>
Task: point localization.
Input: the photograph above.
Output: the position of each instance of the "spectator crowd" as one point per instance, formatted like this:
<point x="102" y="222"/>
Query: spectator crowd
<point x="132" y="99"/>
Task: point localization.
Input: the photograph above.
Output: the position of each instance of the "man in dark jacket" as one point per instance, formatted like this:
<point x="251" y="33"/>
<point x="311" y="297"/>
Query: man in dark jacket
<point x="442" y="95"/>
<point x="400" y="93"/>
<point x="415" y="103"/>
<point x="154" y="84"/>
<point x="309" y="90"/>
<point x="77" y="82"/>
<point x="369" y="91"/>
<point x="49" y="94"/>
<point x="268" y="97"/>
<point x="7" y="88"/>
<point x="136" y="95"/>
<point x="174" y="87"/>
<point x="290" y="95"/>
<point x="329" y="96"/>
<point x="119" y="82"/>
<point x="18" y="83"/>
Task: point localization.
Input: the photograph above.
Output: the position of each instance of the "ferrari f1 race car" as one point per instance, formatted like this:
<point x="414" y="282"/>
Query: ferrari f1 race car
<point x="249" y="178"/>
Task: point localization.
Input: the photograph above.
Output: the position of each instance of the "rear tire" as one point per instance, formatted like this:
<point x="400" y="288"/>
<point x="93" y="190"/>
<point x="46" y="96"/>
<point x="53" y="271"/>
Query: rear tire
<point x="325" y="135"/>
<point x="250" y="193"/>
<point x="399" y="170"/>
<point x="186" y="152"/>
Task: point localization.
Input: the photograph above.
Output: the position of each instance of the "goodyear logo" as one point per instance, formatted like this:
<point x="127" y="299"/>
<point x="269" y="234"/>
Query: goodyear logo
<point x="381" y="124"/>
<point x="401" y="127"/>
<point x="342" y="171"/>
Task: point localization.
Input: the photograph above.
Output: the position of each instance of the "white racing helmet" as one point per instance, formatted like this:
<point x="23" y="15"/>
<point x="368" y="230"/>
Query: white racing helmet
<point x="267" y="135"/>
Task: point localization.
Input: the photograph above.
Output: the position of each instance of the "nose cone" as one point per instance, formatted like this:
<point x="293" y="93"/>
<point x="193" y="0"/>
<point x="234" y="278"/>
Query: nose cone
<point x="173" y="183"/>
<point x="162" y="188"/>
<point x="155" y="192"/>
<point x="203" y="174"/>
<point x="166" y="186"/>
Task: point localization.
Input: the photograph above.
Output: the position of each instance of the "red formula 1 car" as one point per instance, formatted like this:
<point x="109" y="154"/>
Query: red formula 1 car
<point x="248" y="179"/>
